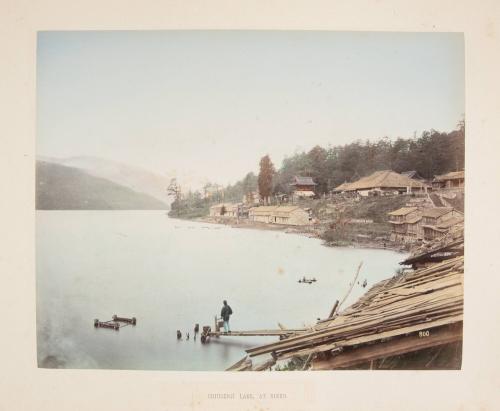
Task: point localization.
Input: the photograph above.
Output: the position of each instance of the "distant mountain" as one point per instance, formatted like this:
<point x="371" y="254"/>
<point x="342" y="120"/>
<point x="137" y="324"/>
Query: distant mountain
<point x="60" y="187"/>
<point x="135" y="178"/>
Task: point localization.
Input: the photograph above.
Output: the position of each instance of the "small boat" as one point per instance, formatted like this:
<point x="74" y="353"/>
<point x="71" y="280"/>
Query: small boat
<point x="305" y="280"/>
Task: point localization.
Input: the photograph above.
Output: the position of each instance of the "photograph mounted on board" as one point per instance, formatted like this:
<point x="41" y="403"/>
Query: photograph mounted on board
<point x="250" y="200"/>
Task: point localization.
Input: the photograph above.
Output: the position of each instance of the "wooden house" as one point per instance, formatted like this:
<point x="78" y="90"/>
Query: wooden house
<point x="291" y="215"/>
<point x="384" y="182"/>
<point x="438" y="220"/>
<point x="225" y="210"/>
<point x="261" y="214"/>
<point x="405" y="226"/>
<point x="414" y="231"/>
<point x="303" y="187"/>
<point x="286" y="215"/>
<point x="453" y="180"/>
<point x="411" y="224"/>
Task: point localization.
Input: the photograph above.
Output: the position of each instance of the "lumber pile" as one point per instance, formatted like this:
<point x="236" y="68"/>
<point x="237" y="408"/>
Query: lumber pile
<point x="245" y="364"/>
<point x="451" y="244"/>
<point x="409" y="312"/>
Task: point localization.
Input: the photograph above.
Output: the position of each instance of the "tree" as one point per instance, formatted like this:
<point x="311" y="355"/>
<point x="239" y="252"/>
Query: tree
<point x="319" y="170"/>
<point x="174" y="189"/>
<point x="249" y="184"/>
<point x="458" y="145"/>
<point x="430" y="154"/>
<point x="265" y="179"/>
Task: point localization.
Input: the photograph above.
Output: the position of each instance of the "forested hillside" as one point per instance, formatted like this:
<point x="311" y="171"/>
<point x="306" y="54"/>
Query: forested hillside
<point x="65" y="188"/>
<point x="431" y="154"/>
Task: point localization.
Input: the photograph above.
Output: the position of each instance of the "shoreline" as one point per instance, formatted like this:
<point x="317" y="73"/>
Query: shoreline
<point x="305" y="231"/>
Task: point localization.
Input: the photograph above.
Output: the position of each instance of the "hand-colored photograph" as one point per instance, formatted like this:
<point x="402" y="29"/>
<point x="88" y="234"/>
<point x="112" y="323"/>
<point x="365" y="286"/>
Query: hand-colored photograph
<point x="250" y="200"/>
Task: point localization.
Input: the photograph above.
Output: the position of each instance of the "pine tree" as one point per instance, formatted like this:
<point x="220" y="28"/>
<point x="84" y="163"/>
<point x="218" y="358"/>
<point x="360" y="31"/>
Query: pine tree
<point x="174" y="189"/>
<point x="265" y="180"/>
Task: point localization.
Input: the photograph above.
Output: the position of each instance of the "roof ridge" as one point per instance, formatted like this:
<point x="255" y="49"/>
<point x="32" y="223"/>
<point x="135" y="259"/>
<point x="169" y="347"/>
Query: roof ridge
<point x="387" y="174"/>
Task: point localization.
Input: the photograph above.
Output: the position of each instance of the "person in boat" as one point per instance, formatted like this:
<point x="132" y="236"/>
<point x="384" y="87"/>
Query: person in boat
<point x="225" y="314"/>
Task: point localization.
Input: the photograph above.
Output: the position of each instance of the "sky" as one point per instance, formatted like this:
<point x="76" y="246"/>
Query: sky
<point x="207" y="105"/>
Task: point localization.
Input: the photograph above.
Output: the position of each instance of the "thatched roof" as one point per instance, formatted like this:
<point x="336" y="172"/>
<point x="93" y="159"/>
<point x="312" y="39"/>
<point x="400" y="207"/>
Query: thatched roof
<point x="454" y="175"/>
<point x="383" y="179"/>
<point x="342" y="187"/>
<point x="412" y="174"/>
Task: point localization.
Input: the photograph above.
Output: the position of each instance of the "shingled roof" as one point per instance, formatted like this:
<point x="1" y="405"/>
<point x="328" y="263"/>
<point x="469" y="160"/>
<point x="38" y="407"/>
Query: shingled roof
<point x="435" y="212"/>
<point x="303" y="181"/>
<point x="263" y="210"/>
<point x="274" y="210"/>
<point x="403" y="211"/>
<point x="383" y="179"/>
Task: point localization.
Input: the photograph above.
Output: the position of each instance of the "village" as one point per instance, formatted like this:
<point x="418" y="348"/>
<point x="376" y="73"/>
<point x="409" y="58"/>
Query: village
<point x="411" y="320"/>
<point x="414" y="210"/>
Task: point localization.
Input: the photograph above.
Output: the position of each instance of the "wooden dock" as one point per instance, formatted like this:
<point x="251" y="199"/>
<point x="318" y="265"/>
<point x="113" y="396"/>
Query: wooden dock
<point x="218" y="331"/>
<point x="259" y="333"/>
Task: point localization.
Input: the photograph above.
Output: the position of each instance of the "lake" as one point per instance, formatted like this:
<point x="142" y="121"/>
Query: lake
<point x="171" y="274"/>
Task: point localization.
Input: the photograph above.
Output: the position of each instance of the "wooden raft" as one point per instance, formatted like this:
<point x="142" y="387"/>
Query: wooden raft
<point x="115" y="323"/>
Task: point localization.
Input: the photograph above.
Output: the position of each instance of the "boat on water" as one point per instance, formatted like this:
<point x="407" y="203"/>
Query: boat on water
<point x="305" y="280"/>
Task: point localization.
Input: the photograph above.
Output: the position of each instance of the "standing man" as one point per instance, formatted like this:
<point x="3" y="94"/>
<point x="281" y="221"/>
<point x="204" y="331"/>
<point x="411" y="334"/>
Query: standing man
<point x="225" y="314"/>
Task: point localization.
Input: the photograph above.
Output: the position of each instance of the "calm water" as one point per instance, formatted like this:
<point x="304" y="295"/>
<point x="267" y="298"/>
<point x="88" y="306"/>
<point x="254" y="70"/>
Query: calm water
<point x="171" y="274"/>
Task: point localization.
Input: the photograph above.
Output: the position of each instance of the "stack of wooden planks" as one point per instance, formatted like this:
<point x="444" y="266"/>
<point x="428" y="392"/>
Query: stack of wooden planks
<point x="409" y="312"/>
<point x="245" y="364"/>
<point x="443" y="248"/>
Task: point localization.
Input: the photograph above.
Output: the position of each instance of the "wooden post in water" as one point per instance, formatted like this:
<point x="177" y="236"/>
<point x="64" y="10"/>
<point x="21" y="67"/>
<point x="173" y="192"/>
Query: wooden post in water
<point x="352" y="284"/>
<point x="217" y="328"/>
<point x="332" y="313"/>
